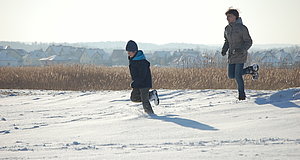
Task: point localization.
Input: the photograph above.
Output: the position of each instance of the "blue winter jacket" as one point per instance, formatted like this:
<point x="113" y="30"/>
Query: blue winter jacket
<point x="140" y="71"/>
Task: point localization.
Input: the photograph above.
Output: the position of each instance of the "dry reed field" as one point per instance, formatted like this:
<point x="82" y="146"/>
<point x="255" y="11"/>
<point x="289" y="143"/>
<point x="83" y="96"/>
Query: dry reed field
<point x="80" y="77"/>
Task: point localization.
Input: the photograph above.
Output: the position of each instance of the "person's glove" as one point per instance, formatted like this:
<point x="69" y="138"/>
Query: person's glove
<point x="223" y="53"/>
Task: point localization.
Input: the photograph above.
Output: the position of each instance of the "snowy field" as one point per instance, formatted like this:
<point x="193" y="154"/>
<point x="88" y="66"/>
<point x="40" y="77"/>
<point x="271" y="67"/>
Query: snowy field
<point x="190" y="124"/>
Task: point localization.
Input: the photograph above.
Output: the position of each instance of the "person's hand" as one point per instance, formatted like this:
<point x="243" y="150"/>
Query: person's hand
<point x="223" y="53"/>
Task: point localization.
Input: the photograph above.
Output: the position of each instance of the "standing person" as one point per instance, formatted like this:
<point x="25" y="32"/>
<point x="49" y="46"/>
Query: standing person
<point x="237" y="42"/>
<point x="141" y="77"/>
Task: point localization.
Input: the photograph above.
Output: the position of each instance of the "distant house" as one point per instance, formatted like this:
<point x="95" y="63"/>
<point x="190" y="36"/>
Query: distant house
<point x="148" y="55"/>
<point x="33" y="58"/>
<point x="119" y="57"/>
<point x="92" y="56"/>
<point x="269" y="59"/>
<point x="186" y="60"/>
<point x="21" y="52"/>
<point x="177" y="53"/>
<point x="64" y="54"/>
<point x="161" y="57"/>
<point x="53" y="50"/>
<point x="70" y="53"/>
<point x="8" y="60"/>
<point x="297" y="59"/>
<point x="48" y="60"/>
<point x="285" y="58"/>
<point x="190" y="52"/>
<point x="218" y="60"/>
<point x="192" y="60"/>
<point x="79" y="52"/>
<point x="257" y="56"/>
<point x="56" y="59"/>
<point x="10" y="57"/>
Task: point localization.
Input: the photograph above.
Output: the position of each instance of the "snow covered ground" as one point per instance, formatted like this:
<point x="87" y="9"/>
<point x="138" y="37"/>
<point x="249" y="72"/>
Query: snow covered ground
<point x="190" y="124"/>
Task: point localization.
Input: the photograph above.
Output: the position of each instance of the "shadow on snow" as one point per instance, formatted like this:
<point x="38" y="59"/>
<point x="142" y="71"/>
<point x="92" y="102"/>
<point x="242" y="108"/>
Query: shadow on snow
<point x="281" y="99"/>
<point x="184" y="122"/>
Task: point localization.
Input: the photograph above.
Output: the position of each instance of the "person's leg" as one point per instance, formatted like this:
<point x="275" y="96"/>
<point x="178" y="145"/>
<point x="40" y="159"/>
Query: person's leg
<point x="231" y="71"/>
<point x="251" y="69"/>
<point x="239" y="72"/>
<point x="248" y="70"/>
<point x="145" y="100"/>
<point x="135" y="95"/>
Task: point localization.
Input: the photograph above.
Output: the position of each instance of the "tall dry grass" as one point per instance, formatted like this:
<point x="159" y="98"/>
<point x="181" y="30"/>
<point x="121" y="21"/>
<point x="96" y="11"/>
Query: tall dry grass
<point x="216" y="78"/>
<point x="79" y="77"/>
<point x="75" y="77"/>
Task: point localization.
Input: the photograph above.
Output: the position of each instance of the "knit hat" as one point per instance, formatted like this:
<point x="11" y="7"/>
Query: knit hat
<point x="131" y="46"/>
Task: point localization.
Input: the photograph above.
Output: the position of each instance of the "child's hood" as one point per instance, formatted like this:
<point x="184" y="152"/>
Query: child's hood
<point x="139" y="56"/>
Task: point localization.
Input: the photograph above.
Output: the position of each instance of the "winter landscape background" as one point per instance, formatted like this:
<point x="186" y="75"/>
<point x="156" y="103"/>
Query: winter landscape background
<point x="113" y="54"/>
<point x="65" y="82"/>
<point x="71" y="101"/>
<point x="189" y="124"/>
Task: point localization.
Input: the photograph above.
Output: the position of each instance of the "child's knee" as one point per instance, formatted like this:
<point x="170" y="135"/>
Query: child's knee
<point x="135" y="100"/>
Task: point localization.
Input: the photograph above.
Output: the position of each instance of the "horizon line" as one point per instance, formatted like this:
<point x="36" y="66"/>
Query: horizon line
<point x="160" y="44"/>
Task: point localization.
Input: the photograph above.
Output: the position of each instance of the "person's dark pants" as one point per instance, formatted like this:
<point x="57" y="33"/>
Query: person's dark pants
<point x="236" y="71"/>
<point x="141" y="95"/>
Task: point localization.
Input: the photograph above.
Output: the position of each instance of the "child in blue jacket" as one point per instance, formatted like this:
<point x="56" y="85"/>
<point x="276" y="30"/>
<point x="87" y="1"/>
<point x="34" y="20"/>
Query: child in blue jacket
<point x="141" y="78"/>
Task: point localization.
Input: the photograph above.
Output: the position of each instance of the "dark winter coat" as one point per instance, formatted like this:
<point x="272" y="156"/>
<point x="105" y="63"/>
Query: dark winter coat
<point x="140" y="71"/>
<point x="237" y="41"/>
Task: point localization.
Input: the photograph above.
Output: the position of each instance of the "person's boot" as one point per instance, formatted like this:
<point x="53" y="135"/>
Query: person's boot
<point x="242" y="98"/>
<point x="255" y="75"/>
<point x="255" y="67"/>
<point x="154" y="97"/>
<point x="147" y="108"/>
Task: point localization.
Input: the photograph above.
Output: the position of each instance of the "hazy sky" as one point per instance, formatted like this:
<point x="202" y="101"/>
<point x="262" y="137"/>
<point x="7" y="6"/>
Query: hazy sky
<point x="154" y="21"/>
